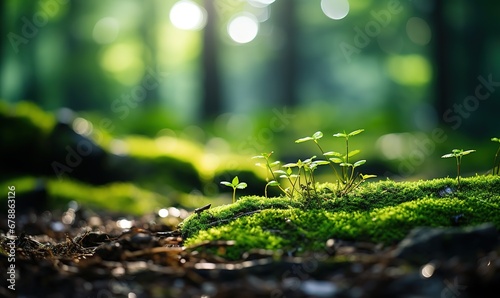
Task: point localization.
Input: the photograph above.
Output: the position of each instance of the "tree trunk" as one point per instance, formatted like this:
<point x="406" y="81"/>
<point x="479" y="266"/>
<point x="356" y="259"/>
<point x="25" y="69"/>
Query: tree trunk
<point x="212" y="100"/>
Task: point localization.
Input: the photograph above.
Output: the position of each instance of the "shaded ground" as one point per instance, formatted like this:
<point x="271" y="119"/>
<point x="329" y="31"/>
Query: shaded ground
<point x="92" y="256"/>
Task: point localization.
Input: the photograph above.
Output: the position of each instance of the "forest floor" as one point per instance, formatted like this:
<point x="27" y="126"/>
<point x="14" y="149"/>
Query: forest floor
<point x="94" y="257"/>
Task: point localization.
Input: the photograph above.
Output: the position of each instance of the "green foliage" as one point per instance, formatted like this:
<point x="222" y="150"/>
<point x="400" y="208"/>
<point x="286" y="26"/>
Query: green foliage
<point x="269" y="169"/>
<point x="348" y="177"/>
<point x="382" y="212"/>
<point x="235" y="184"/>
<point x="496" y="161"/>
<point x="458" y="154"/>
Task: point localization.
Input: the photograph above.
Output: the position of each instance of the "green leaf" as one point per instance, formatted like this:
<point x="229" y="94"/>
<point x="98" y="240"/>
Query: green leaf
<point x="364" y="177"/>
<point x="273" y="183"/>
<point x="302" y="140"/>
<point x="290" y="165"/>
<point x="317" y="135"/>
<point x="467" y="152"/>
<point x="241" y="185"/>
<point x="495" y="140"/>
<point x="353" y="133"/>
<point x="320" y="162"/>
<point x="260" y="165"/>
<point x="340" y="135"/>
<point x="354" y="152"/>
<point x="235" y="181"/>
<point x="257" y="156"/>
<point x="289" y="171"/>
<point x="336" y="159"/>
<point x="448" y="155"/>
<point x="226" y="183"/>
<point x="281" y="172"/>
<point x="359" y="163"/>
<point x="346" y="164"/>
<point x="273" y="164"/>
<point x="309" y="160"/>
<point x="456" y="151"/>
<point x="332" y="153"/>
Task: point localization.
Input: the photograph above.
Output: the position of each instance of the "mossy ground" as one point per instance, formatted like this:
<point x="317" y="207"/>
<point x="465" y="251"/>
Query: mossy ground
<point x="382" y="212"/>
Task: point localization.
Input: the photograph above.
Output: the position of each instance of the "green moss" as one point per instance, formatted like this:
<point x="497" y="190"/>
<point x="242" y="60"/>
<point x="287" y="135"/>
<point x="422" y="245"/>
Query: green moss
<point x="118" y="197"/>
<point x="382" y="212"/>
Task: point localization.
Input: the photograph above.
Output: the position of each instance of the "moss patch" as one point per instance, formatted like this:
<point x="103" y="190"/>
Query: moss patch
<point x="382" y="212"/>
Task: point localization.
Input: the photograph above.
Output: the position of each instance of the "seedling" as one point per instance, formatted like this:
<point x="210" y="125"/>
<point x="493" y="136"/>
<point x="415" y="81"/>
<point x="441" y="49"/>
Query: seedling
<point x="458" y="154"/>
<point x="315" y="138"/>
<point x="496" y="161"/>
<point x="348" y="177"/>
<point x="269" y="169"/>
<point x="292" y="178"/>
<point x="235" y="184"/>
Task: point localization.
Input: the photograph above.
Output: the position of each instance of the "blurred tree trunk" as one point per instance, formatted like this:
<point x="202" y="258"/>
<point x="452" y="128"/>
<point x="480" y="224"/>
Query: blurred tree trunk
<point x="212" y="101"/>
<point x="442" y="58"/>
<point x="30" y="89"/>
<point x="148" y="33"/>
<point x="288" y="23"/>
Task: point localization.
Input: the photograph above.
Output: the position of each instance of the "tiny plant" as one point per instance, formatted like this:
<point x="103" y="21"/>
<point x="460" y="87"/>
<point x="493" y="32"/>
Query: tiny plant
<point x="269" y="169"/>
<point x="458" y="154"/>
<point x="235" y="184"/>
<point x="496" y="161"/>
<point x="350" y="180"/>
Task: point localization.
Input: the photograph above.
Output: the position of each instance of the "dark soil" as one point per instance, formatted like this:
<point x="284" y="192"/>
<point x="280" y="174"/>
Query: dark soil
<point x="92" y="256"/>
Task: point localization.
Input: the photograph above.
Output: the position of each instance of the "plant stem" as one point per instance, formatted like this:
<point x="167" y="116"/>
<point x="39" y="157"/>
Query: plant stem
<point x="496" y="165"/>
<point x="234" y="195"/>
<point x="331" y="162"/>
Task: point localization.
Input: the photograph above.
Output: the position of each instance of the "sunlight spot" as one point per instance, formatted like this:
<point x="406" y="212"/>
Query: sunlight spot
<point x="118" y="147"/>
<point x="174" y="212"/>
<point x="411" y="70"/>
<point x="391" y="145"/>
<point x="427" y="270"/>
<point x="163" y="212"/>
<point x="124" y="61"/>
<point x="260" y="3"/>
<point x="188" y="15"/>
<point x="82" y="126"/>
<point x="418" y="31"/>
<point x="243" y="28"/>
<point x="335" y="9"/>
<point x="106" y="30"/>
<point x="124" y="223"/>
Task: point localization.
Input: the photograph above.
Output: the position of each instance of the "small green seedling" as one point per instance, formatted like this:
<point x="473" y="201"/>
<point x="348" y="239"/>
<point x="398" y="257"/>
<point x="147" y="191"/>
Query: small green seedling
<point x="496" y="161"/>
<point x="348" y="178"/>
<point x="458" y="154"/>
<point x="269" y="169"/>
<point x="315" y="138"/>
<point x="235" y="184"/>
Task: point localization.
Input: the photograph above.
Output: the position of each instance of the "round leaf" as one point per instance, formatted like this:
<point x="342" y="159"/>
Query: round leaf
<point x="359" y="162"/>
<point x="317" y="135"/>
<point x="241" y="185"/>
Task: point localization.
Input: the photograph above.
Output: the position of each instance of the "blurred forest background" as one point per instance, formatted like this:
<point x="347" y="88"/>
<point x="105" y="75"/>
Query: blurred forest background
<point x="134" y="105"/>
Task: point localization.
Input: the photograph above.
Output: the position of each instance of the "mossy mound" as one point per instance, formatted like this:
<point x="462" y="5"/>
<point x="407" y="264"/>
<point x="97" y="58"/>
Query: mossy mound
<point x="382" y="212"/>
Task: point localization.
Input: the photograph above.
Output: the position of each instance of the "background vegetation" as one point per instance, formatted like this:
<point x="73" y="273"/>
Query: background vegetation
<point x="176" y="96"/>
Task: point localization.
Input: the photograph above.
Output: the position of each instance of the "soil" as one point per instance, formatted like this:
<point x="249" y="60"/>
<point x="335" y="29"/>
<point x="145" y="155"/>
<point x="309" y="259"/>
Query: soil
<point x="87" y="254"/>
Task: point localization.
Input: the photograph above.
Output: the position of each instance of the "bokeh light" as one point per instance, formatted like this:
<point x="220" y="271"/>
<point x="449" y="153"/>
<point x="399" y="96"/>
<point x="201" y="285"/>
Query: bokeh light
<point x="106" y="30"/>
<point x="409" y="70"/>
<point x="419" y="32"/>
<point x="188" y="15"/>
<point x="243" y="28"/>
<point x="335" y="9"/>
<point x="260" y="3"/>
